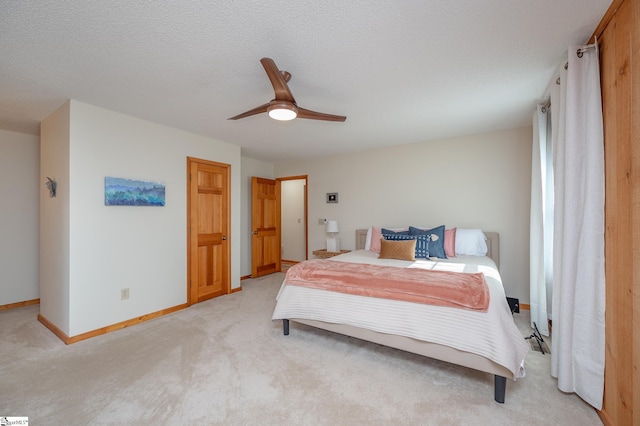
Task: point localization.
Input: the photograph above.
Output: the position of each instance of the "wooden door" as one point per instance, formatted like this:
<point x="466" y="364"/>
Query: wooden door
<point x="265" y="226"/>
<point x="208" y="230"/>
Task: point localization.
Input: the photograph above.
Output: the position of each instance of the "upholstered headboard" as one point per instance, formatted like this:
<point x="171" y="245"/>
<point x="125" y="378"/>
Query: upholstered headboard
<point x="493" y="244"/>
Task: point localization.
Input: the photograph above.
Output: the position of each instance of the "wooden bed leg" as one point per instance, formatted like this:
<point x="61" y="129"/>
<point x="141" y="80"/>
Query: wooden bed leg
<point x="500" y="384"/>
<point x="285" y="327"/>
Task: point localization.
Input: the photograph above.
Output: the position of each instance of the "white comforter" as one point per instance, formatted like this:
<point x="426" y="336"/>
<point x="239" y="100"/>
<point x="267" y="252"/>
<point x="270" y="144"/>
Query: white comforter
<point x="491" y="334"/>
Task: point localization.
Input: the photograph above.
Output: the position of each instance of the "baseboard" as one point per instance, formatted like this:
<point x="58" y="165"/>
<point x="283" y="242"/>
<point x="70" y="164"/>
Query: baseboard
<point x="246" y="277"/>
<point x="235" y="290"/>
<point x="525" y="306"/>
<point x="104" y="330"/>
<point x="55" y="330"/>
<point x="19" y="304"/>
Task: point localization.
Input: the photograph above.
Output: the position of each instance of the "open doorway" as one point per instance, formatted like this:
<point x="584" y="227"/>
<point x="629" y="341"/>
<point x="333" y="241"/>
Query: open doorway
<point x="293" y="220"/>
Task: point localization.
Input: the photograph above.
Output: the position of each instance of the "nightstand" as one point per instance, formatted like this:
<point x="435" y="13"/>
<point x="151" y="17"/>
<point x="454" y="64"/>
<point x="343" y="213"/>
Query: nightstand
<point x="324" y="254"/>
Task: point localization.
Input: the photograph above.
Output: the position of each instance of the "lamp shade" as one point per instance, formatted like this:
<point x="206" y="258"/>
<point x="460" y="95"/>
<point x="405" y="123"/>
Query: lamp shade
<point x="332" y="226"/>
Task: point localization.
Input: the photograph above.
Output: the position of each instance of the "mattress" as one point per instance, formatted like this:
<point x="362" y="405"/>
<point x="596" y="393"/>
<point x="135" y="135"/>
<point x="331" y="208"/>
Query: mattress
<point x="492" y="335"/>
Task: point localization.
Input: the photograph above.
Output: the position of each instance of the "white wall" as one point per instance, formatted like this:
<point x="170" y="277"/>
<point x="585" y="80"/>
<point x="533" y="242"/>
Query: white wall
<point x="19" y="217"/>
<point x="140" y="248"/>
<point x="250" y="168"/>
<point x="292" y="220"/>
<point x="54" y="219"/>
<point x="479" y="181"/>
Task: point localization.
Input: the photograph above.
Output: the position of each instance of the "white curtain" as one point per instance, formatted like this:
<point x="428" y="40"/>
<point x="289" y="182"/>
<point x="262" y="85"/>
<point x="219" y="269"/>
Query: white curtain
<point x="578" y="343"/>
<point x="540" y="241"/>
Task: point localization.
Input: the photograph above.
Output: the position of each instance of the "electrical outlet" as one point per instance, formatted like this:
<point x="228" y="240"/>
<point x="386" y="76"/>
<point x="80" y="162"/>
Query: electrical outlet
<point x="322" y="221"/>
<point x="124" y="294"/>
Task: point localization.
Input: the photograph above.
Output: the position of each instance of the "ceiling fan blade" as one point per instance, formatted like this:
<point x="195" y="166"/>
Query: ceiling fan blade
<point x="256" y="110"/>
<point x="277" y="80"/>
<point x="313" y="115"/>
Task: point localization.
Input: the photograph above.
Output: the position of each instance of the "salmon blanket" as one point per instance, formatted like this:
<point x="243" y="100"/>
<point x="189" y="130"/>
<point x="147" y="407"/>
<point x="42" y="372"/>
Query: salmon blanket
<point x="442" y="288"/>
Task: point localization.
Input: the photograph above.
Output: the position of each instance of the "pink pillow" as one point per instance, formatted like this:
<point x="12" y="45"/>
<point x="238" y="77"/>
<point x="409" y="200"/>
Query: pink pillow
<point x="450" y="242"/>
<point x="376" y="235"/>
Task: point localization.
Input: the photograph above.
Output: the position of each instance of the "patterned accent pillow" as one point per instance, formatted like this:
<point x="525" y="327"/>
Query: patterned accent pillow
<point x="422" y="242"/>
<point x="436" y="240"/>
<point x="402" y="250"/>
<point x="389" y="231"/>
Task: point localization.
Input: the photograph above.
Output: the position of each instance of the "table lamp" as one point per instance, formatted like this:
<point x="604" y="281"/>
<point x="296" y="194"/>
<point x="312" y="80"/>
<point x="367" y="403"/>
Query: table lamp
<point x="333" y="243"/>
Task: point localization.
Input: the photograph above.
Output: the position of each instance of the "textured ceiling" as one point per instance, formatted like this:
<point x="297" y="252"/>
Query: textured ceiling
<point x="401" y="71"/>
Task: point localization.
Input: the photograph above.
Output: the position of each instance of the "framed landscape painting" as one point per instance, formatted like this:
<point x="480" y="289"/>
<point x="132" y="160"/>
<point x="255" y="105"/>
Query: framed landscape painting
<point x="128" y="192"/>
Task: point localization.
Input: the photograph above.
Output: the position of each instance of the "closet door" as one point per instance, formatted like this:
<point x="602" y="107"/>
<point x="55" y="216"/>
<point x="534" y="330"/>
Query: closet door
<point x="208" y="230"/>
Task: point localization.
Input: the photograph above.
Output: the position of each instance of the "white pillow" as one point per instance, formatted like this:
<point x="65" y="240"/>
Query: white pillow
<point x="471" y="242"/>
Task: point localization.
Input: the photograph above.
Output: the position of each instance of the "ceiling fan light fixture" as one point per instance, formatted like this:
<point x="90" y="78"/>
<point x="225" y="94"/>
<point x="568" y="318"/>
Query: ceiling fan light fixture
<point x="282" y="111"/>
<point x="283" y="107"/>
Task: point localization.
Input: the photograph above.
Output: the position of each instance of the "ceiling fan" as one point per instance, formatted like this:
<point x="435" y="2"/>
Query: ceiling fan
<point x="283" y="107"/>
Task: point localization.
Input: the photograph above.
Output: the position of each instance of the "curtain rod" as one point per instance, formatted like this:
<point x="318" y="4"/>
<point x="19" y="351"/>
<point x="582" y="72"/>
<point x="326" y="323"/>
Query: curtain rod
<point x="579" y="54"/>
<point x="581" y="51"/>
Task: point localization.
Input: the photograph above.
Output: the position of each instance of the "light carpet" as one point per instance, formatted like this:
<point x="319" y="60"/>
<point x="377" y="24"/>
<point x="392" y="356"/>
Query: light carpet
<point x="224" y="361"/>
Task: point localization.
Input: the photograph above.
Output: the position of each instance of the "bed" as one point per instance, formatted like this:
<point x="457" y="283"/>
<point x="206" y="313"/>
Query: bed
<point x="485" y="341"/>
